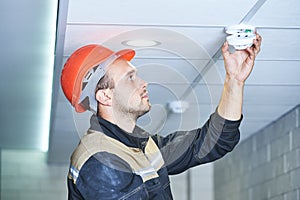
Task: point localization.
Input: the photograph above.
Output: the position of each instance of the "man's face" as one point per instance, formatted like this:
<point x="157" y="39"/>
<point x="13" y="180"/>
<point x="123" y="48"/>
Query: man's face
<point x="129" y="94"/>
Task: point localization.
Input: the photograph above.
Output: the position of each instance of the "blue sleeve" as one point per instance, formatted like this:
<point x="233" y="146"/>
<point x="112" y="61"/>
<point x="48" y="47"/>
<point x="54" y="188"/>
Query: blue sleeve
<point x="185" y="149"/>
<point x="104" y="176"/>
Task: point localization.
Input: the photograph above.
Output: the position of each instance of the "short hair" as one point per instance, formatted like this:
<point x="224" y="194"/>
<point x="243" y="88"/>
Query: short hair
<point x="105" y="82"/>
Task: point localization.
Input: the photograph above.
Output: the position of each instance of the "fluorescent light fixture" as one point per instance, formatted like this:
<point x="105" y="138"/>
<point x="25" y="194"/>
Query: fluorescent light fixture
<point x="50" y="38"/>
<point x="141" y="43"/>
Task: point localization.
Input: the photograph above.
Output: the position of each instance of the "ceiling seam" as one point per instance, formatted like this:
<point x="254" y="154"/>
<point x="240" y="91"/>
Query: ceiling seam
<point x="252" y="11"/>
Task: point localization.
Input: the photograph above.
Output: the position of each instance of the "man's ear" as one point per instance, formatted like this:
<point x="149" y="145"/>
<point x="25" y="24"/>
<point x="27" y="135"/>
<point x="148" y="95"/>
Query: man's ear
<point x="104" y="97"/>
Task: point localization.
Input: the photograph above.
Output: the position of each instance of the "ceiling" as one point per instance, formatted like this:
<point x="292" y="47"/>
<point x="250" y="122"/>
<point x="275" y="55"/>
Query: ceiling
<point x="186" y="65"/>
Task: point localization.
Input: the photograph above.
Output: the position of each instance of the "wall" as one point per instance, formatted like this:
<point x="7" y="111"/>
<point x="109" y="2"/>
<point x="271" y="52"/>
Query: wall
<point x="264" y="166"/>
<point x="26" y="175"/>
<point x="199" y="184"/>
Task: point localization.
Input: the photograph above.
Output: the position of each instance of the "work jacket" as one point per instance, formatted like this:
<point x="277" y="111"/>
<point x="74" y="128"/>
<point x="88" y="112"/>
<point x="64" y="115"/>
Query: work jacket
<point x="110" y="163"/>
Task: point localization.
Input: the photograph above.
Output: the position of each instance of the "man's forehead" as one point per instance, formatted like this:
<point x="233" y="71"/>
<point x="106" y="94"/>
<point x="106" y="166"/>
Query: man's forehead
<point x="121" y="65"/>
<point x="120" y="68"/>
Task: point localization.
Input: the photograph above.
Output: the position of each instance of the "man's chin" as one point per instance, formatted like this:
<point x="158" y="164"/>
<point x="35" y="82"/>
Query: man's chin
<point x="145" y="111"/>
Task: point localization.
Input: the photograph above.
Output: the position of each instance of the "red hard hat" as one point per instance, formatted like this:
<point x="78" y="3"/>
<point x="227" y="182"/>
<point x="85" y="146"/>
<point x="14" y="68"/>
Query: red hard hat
<point x="80" y="63"/>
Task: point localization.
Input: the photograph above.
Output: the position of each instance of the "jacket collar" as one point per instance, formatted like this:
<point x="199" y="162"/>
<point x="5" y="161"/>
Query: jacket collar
<point x="137" y="139"/>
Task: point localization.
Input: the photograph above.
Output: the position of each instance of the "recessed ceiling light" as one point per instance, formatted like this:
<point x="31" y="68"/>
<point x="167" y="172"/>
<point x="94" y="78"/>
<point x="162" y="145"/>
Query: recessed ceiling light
<point x="141" y="43"/>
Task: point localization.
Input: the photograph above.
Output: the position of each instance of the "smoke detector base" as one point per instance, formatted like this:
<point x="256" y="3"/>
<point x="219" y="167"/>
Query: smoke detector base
<point x="241" y="36"/>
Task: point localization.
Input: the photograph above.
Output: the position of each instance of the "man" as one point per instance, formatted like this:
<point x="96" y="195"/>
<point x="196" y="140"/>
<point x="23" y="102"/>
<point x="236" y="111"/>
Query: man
<point x="118" y="160"/>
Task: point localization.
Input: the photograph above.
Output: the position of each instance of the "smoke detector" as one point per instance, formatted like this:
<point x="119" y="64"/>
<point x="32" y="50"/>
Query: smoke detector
<point x="178" y="106"/>
<point x="241" y="36"/>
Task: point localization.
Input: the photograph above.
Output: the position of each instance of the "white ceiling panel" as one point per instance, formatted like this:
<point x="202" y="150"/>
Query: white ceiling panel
<point x="160" y="93"/>
<point x="276" y="73"/>
<point x="268" y="72"/>
<point x="157" y="12"/>
<point x="173" y="40"/>
<point x="205" y="94"/>
<point x="277" y="46"/>
<point x="278" y="13"/>
<point x="79" y="35"/>
<point x="272" y="95"/>
<point x="159" y="70"/>
<point x="264" y="112"/>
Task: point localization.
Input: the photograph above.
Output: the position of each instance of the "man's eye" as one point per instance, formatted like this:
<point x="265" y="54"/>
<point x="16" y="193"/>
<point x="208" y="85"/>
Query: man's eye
<point x="131" y="77"/>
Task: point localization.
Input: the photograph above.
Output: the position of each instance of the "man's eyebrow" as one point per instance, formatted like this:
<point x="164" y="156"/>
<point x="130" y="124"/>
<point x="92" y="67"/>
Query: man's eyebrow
<point x="129" y="73"/>
<point x="133" y="71"/>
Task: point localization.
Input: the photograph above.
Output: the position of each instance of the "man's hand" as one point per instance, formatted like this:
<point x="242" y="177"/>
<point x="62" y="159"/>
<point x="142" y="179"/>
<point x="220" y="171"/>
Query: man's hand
<point x="239" y="64"/>
<point x="238" y="67"/>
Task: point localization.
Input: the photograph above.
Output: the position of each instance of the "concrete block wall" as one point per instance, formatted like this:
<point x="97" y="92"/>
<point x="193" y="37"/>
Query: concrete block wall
<point x="264" y="166"/>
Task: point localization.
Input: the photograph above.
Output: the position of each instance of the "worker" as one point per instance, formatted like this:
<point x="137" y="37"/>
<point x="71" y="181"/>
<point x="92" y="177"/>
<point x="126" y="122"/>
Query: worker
<point x="115" y="158"/>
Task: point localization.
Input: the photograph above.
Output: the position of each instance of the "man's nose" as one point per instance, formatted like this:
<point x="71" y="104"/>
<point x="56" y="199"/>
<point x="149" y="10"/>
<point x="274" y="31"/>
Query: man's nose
<point x="143" y="83"/>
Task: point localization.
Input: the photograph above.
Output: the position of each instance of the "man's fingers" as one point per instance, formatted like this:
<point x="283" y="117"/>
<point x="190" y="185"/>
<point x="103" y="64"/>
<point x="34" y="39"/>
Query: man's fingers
<point x="225" y="49"/>
<point x="257" y="43"/>
<point x="251" y="52"/>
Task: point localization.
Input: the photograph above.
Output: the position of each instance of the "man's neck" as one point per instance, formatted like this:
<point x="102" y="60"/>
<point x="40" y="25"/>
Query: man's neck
<point x="126" y="123"/>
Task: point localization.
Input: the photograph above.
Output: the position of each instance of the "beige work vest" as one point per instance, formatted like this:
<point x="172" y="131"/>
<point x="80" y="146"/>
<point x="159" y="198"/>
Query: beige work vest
<point x="145" y="164"/>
